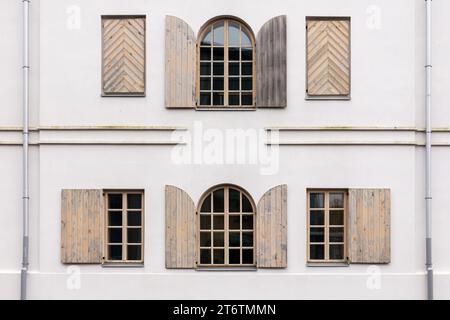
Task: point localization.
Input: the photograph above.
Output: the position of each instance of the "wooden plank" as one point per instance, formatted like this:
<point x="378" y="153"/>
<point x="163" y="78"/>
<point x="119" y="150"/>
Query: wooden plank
<point x="271" y="69"/>
<point x="180" y="68"/>
<point x="271" y="229"/>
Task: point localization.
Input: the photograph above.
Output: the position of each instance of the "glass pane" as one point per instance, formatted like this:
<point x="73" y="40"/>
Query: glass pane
<point x="218" y="83"/>
<point x="247" y="222"/>
<point x="247" y="54"/>
<point x="233" y="83"/>
<point x="218" y="54"/>
<point x="233" y="99"/>
<point x="134" y="201"/>
<point x="317" y="252"/>
<point x="235" y="256"/>
<point x="205" y="239"/>
<point x="337" y="251"/>
<point x="233" y="54"/>
<point x="114" y="201"/>
<point x="317" y="235"/>
<point x="218" y="200"/>
<point x="205" y="68"/>
<point x="134" y="252"/>
<point x="219" y="34"/>
<point x="337" y="217"/>
<point x="218" y="68"/>
<point x="317" y="217"/>
<point x="336" y="200"/>
<point x="206" y="206"/>
<point x="115" y="218"/>
<point x="205" y="222"/>
<point x="247" y="239"/>
<point x="205" y="99"/>
<point x="235" y="239"/>
<point x="246" y="39"/>
<point x="336" y="235"/>
<point x="205" y="256"/>
<point x="205" y="83"/>
<point x="234" y="34"/>
<point x="115" y="252"/>
<point x="246" y="205"/>
<point x="247" y="68"/>
<point x="247" y="256"/>
<point x="134" y="235"/>
<point x="316" y="200"/>
<point x="247" y="99"/>
<point x="218" y="99"/>
<point x="219" y="240"/>
<point x="218" y="222"/>
<point x="234" y="200"/>
<point x="134" y="218"/>
<point x="247" y="83"/>
<point x="233" y="68"/>
<point x="205" y="53"/>
<point x="115" y="235"/>
<point x="207" y="39"/>
<point x="219" y="256"/>
<point x="234" y="222"/>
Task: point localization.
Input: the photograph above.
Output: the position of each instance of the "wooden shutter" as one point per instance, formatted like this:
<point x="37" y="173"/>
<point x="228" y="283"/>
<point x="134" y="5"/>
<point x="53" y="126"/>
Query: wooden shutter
<point x="123" y="63"/>
<point x="328" y="56"/>
<point x="181" y="229"/>
<point x="369" y="212"/>
<point x="81" y="226"/>
<point x="271" y="79"/>
<point x="180" y="64"/>
<point x="271" y="229"/>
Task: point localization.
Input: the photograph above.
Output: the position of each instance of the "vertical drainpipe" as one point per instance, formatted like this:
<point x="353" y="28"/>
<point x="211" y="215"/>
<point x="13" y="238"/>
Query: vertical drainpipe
<point x="25" y="192"/>
<point x="428" y="197"/>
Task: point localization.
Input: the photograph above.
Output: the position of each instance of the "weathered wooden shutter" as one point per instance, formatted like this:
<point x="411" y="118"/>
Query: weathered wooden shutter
<point x="328" y="56"/>
<point x="369" y="212"/>
<point x="181" y="229"/>
<point x="123" y="51"/>
<point x="271" y="229"/>
<point x="271" y="77"/>
<point x="81" y="226"/>
<point x="180" y="64"/>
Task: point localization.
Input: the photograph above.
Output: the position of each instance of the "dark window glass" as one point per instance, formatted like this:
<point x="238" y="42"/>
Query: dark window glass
<point x="115" y="235"/>
<point x="115" y="218"/>
<point x="234" y="200"/>
<point x="317" y="217"/>
<point x="336" y="251"/>
<point x="218" y="200"/>
<point x="115" y="201"/>
<point x="247" y="84"/>
<point x="218" y="83"/>
<point x="134" y="235"/>
<point x="205" y="68"/>
<point x="218" y="99"/>
<point x="247" y="99"/>
<point x="218" y="68"/>
<point x="235" y="222"/>
<point x="205" y="99"/>
<point x="205" y="256"/>
<point x="317" y="235"/>
<point x="219" y="240"/>
<point x="336" y="200"/>
<point x="336" y="235"/>
<point x="205" y="53"/>
<point x="115" y="252"/>
<point x="218" y="222"/>
<point x="317" y="252"/>
<point x="134" y="252"/>
<point x="247" y="68"/>
<point x="316" y="200"/>
<point x="233" y="99"/>
<point x="235" y="256"/>
<point x="134" y="201"/>
<point x="337" y="217"/>
<point x="233" y="54"/>
<point x="247" y="239"/>
<point x="219" y="256"/>
<point x="206" y="206"/>
<point x="233" y="83"/>
<point x="205" y="239"/>
<point x="247" y="54"/>
<point x="134" y="218"/>
<point x="246" y="205"/>
<point x="205" y="84"/>
<point x="218" y="54"/>
<point x="247" y="222"/>
<point x="234" y="68"/>
<point x="235" y="239"/>
<point x="205" y="222"/>
<point x="247" y="256"/>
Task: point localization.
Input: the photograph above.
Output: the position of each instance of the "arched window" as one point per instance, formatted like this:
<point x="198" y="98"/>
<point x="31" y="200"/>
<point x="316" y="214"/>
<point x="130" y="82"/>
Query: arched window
<point x="227" y="228"/>
<point x="227" y="69"/>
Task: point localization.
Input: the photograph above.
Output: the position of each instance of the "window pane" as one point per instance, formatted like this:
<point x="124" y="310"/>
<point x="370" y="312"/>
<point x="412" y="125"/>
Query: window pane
<point x="247" y="54"/>
<point x="247" y="256"/>
<point x="115" y="201"/>
<point x="218" y="83"/>
<point x="115" y="235"/>
<point x="247" y="239"/>
<point x="218" y="68"/>
<point x="218" y="201"/>
<point x="247" y="68"/>
<point x="134" y="218"/>
<point x="317" y="252"/>
<point x="234" y="34"/>
<point x="207" y="39"/>
<point x="218" y="54"/>
<point x="235" y="239"/>
<point x="233" y="54"/>
<point x="336" y="251"/>
<point x="336" y="235"/>
<point x="337" y="217"/>
<point x="218" y="222"/>
<point x="233" y="68"/>
<point x="206" y="206"/>
<point x="134" y="235"/>
<point x="246" y="205"/>
<point x="317" y="235"/>
<point x="218" y="99"/>
<point x="245" y="38"/>
<point x="247" y="99"/>
<point x="219" y="34"/>
<point x="205" y="239"/>
<point x="234" y="200"/>
<point x="115" y="218"/>
<point x="205" y="256"/>
<point x="134" y="252"/>
<point x="205" y="68"/>
<point x="317" y="217"/>
<point x="134" y="201"/>
<point x="219" y="240"/>
<point x="115" y="252"/>
<point x="234" y="222"/>
<point x="233" y="83"/>
<point x="205" y="99"/>
<point x="219" y="256"/>
<point x="316" y="200"/>
<point x="247" y="221"/>
<point x="247" y="84"/>
<point x="205" y="83"/>
<point x="205" y="53"/>
<point x="205" y="222"/>
<point x="235" y="256"/>
<point x="336" y="200"/>
<point x="233" y="99"/>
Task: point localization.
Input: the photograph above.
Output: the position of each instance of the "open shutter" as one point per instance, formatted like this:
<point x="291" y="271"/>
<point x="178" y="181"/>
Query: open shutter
<point x="81" y="226"/>
<point x="328" y="57"/>
<point x="181" y="229"/>
<point x="271" y="229"/>
<point x="369" y="225"/>
<point x="123" y="51"/>
<point x="271" y="78"/>
<point x="180" y="64"/>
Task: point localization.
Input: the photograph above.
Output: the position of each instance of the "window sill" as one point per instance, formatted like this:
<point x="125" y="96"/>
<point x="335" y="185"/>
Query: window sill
<point x="250" y="108"/>
<point x="122" y="265"/>
<point x="122" y="95"/>
<point x="328" y="98"/>
<point x="221" y="269"/>
<point x="327" y="264"/>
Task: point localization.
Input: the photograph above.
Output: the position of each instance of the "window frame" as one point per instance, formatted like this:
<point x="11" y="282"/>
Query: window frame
<point x="124" y="227"/>
<point x="208" y="26"/>
<point x="326" y="227"/>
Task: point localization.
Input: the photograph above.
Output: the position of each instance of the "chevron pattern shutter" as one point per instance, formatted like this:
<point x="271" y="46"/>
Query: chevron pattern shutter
<point x="328" y="57"/>
<point x="123" y="56"/>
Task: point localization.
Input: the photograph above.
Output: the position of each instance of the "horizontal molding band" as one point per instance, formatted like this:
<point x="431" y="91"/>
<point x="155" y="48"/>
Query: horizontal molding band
<point x="344" y="128"/>
<point x="95" y="143"/>
<point x="95" y="128"/>
<point x="355" y="143"/>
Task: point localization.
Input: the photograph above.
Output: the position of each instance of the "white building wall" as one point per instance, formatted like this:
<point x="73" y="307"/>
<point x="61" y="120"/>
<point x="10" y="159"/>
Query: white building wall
<point x="387" y="91"/>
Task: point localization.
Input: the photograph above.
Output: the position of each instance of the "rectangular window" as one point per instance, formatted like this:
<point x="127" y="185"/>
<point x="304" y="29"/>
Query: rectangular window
<point x="327" y="211"/>
<point x="124" y="226"/>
